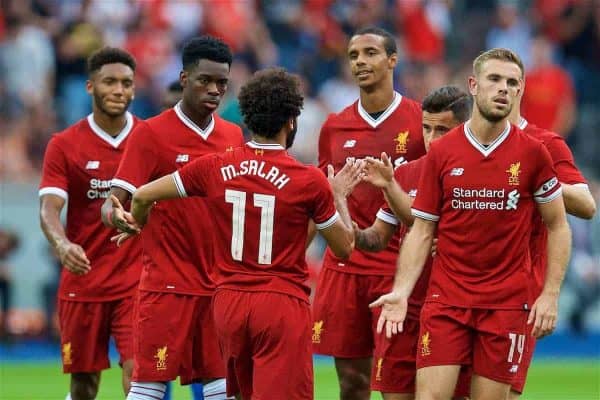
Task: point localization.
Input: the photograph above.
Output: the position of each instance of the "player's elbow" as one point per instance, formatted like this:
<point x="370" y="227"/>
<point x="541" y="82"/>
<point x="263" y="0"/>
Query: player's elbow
<point x="589" y="209"/>
<point x="344" y="247"/>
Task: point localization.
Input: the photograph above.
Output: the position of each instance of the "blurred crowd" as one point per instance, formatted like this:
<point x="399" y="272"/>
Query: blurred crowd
<point x="44" y="45"/>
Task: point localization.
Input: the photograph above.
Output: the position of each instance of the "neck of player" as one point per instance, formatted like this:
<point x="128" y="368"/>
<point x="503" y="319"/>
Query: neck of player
<point x="199" y="118"/>
<point x="109" y="124"/>
<point x="486" y="131"/>
<point x="280" y="138"/>
<point x="379" y="98"/>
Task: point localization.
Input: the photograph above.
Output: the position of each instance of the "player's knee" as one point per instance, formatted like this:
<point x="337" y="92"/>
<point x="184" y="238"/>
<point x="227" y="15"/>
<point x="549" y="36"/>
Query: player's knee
<point x="84" y="386"/>
<point x="354" y="384"/>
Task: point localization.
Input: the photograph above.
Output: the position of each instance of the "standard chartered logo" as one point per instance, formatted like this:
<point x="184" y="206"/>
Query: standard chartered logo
<point x="484" y="199"/>
<point x="99" y="189"/>
<point x="513" y="200"/>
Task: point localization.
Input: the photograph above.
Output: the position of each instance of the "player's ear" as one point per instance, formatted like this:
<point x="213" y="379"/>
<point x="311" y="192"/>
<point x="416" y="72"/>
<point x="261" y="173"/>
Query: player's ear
<point x="89" y="87"/>
<point x="183" y="77"/>
<point x="393" y="60"/>
<point x="472" y="83"/>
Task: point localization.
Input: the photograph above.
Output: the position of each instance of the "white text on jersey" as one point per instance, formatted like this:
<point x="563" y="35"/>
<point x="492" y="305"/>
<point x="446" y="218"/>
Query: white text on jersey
<point x="92" y="165"/>
<point x="182" y="158"/>
<point x="254" y="167"/>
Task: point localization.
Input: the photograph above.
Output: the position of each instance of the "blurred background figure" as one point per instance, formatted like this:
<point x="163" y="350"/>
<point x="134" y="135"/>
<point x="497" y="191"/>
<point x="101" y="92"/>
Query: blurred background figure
<point x="9" y="242"/>
<point x="172" y="95"/>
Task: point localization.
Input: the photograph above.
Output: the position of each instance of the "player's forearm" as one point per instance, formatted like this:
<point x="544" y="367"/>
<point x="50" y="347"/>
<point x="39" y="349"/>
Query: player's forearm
<point x="312" y="232"/>
<point x="413" y="255"/>
<point x="341" y="206"/>
<point x="140" y="207"/>
<point x="578" y="201"/>
<point x="559" y="252"/>
<point x="369" y="240"/>
<point x="52" y="226"/>
<point x="399" y="202"/>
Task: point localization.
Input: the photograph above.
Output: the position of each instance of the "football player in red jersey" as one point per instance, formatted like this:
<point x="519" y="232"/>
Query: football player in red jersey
<point x="480" y="186"/>
<point x="395" y="359"/>
<point x="578" y="202"/>
<point x="97" y="284"/>
<point x="263" y="200"/>
<point x="177" y="273"/>
<point x="381" y="120"/>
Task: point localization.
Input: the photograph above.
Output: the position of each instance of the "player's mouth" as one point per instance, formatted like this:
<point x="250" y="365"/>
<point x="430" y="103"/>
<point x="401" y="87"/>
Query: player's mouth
<point x="501" y="100"/>
<point x="211" y="104"/>
<point x="362" y="74"/>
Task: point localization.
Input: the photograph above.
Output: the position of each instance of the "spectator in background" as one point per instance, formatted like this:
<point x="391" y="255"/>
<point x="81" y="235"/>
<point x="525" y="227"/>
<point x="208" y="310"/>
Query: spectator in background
<point x="549" y="98"/>
<point x="511" y="30"/>
<point x="340" y="91"/>
<point x="9" y="242"/>
<point x="172" y="95"/>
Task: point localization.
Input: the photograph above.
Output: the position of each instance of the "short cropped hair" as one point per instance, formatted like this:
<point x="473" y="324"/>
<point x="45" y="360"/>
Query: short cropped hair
<point x="269" y="99"/>
<point x="389" y="42"/>
<point x="205" y="47"/>
<point x="449" y="98"/>
<point x="109" y="55"/>
<point x="497" y="54"/>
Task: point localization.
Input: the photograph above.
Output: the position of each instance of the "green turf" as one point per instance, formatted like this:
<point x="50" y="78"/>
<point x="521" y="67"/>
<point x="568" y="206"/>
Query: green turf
<point x="548" y="380"/>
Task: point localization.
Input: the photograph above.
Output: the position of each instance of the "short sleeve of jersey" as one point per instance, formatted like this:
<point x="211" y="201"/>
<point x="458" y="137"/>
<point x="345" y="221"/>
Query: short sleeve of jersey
<point x="323" y="210"/>
<point x="324" y="148"/>
<point x="428" y="203"/>
<point x="564" y="164"/>
<point x="54" y="172"/>
<point x="193" y="179"/>
<point x="139" y="160"/>
<point x="546" y="184"/>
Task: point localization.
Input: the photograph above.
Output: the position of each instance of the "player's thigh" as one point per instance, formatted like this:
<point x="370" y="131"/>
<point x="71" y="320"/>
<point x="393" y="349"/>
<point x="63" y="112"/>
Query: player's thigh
<point x="499" y="344"/>
<point x="279" y="328"/>
<point x="483" y="388"/>
<point x="341" y="316"/>
<point x="163" y="330"/>
<point x="445" y="338"/>
<point x="121" y="327"/>
<point x="206" y="362"/>
<point x="437" y="383"/>
<point x="394" y="361"/>
<point x="84" y="335"/>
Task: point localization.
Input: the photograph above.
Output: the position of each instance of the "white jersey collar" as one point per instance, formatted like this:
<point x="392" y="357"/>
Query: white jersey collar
<point x="204" y="133"/>
<point x="522" y="123"/>
<point x="265" y="146"/>
<point x="486" y="151"/>
<point x="102" y="134"/>
<point x="374" y="123"/>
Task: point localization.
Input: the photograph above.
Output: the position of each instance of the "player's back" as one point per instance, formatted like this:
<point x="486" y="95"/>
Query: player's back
<point x="261" y="199"/>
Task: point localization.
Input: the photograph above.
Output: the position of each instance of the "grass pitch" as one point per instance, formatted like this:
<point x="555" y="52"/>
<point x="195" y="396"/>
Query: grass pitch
<point x="548" y="380"/>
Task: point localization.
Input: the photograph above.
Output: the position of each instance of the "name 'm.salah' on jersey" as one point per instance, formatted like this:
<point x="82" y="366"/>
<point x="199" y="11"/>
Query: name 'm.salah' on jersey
<point x="354" y="134"/>
<point x="407" y="176"/>
<point x="78" y="166"/>
<point x="483" y="199"/>
<point x="177" y="240"/>
<point x="262" y="200"/>
<point x="566" y="172"/>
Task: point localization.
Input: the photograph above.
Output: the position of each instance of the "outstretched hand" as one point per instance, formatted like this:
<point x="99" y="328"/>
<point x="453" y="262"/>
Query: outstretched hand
<point x="121" y="219"/>
<point x="344" y="182"/>
<point x="379" y="173"/>
<point x="393" y="313"/>
<point x="543" y="315"/>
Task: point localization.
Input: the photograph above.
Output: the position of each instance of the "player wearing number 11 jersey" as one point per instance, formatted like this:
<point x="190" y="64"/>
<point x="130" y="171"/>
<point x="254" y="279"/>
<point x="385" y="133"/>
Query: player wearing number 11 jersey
<point x="262" y="200"/>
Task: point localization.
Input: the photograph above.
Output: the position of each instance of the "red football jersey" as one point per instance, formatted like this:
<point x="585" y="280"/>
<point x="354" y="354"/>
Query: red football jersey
<point x="78" y="166"/>
<point x="408" y="176"/>
<point x="353" y="133"/>
<point x="566" y="172"/>
<point x="483" y="199"/>
<point x="262" y="200"/>
<point x="177" y="241"/>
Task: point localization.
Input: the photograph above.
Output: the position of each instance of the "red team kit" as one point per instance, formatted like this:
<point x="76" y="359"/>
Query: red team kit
<point x="93" y="306"/>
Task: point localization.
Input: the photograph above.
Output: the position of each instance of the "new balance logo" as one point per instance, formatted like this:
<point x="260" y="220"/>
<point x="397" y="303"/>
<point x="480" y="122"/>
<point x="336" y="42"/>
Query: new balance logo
<point x="412" y="193"/>
<point x="457" y="171"/>
<point x="514" y="368"/>
<point x="92" y="165"/>
<point x="399" y="161"/>
<point x="349" y="143"/>
<point x="182" y="158"/>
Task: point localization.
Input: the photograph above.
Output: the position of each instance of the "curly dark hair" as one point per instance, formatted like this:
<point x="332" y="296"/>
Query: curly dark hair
<point x="205" y="47"/>
<point x="269" y="99"/>
<point x="449" y="98"/>
<point x="109" y="55"/>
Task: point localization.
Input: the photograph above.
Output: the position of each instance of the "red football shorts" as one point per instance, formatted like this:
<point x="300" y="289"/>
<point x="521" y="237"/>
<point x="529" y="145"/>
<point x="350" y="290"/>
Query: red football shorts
<point x="347" y="326"/>
<point x="394" y="362"/>
<point x="265" y="339"/>
<point x="519" y="381"/>
<point x="85" y="331"/>
<point x="493" y="341"/>
<point x="174" y="335"/>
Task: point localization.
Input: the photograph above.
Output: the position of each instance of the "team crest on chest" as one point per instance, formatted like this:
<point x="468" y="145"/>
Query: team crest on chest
<point x="161" y="358"/>
<point x="317" y="331"/>
<point x="513" y="173"/>
<point x="401" y="142"/>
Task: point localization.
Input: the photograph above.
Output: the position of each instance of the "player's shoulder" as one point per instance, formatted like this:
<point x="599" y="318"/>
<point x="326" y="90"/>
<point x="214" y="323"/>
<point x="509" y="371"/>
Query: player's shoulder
<point x="226" y="126"/>
<point x="71" y="133"/>
<point x="411" y="106"/>
<point x="453" y="137"/>
<point x="346" y="116"/>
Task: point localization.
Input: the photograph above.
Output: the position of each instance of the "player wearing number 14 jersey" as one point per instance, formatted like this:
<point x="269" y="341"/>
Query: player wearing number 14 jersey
<point x="262" y="200"/>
